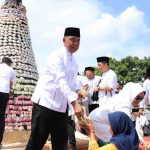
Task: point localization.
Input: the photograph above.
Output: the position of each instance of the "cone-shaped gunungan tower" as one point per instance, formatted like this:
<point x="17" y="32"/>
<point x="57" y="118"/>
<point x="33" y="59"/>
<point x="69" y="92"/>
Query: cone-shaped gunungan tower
<point x="15" y="43"/>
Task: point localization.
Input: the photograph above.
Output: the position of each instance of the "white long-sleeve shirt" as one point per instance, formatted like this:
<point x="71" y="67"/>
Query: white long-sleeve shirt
<point x="92" y="83"/>
<point x="7" y="74"/>
<point x="109" y="79"/>
<point x="56" y="86"/>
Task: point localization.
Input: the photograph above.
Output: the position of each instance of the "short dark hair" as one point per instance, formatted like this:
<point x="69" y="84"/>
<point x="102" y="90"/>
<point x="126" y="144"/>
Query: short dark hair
<point x="89" y="69"/>
<point x="7" y="60"/>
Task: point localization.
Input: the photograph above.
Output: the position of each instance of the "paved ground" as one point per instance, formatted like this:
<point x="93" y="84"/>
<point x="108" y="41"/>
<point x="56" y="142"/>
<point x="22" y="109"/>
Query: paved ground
<point x="16" y="140"/>
<point x="14" y="146"/>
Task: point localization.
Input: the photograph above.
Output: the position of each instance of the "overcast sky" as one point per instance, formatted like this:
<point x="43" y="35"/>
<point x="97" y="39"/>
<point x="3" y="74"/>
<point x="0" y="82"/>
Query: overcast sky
<point x="114" y="28"/>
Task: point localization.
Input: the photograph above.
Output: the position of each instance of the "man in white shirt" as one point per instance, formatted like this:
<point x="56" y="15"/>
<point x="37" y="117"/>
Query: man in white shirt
<point x="7" y="76"/>
<point x="107" y="87"/>
<point x="55" y="91"/>
<point x="92" y="81"/>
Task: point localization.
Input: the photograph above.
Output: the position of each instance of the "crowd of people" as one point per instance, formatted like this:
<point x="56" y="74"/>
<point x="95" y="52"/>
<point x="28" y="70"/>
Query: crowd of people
<point x="128" y="98"/>
<point x="61" y="94"/>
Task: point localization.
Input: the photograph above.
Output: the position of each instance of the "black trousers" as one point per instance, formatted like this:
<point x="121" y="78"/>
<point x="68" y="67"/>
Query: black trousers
<point x="71" y="133"/>
<point x="44" y="122"/>
<point x="4" y="98"/>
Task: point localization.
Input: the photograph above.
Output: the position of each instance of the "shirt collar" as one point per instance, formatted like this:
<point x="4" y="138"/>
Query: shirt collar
<point x="68" y="53"/>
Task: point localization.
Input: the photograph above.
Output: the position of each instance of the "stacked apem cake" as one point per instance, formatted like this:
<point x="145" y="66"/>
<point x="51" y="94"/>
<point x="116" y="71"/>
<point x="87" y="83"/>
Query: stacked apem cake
<point x="15" y="43"/>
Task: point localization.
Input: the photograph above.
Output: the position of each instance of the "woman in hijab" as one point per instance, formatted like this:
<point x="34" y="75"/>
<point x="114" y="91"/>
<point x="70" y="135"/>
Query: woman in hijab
<point x="131" y="95"/>
<point x="124" y="136"/>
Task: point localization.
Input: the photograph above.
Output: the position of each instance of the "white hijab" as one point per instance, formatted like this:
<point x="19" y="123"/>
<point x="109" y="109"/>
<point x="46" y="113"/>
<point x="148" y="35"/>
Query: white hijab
<point x="123" y="100"/>
<point x="119" y="102"/>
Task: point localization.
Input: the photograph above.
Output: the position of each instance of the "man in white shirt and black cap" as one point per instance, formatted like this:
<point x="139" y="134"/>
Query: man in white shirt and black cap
<point x="7" y="77"/>
<point x="108" y="82"/>
<point x="91" y="81"/>
<point x="55" y="91"/>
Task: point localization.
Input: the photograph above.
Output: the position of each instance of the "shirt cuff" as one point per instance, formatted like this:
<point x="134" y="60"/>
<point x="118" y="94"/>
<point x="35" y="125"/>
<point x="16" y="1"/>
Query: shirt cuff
<point x="73" y="97"/>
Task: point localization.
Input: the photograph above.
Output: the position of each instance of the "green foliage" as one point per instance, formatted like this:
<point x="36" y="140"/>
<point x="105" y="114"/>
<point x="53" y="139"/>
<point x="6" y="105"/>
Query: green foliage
<point x="129" y="68"/>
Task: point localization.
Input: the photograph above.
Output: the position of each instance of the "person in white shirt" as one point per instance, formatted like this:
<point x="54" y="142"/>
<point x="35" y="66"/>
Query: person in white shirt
<point x="56" y="90"/>
<point x="91" y="80"/>
<point x="141" y="120"/>
<point x="107" y="86"/>
<point x="7" y="76"/>
<point x="146" y="86"/>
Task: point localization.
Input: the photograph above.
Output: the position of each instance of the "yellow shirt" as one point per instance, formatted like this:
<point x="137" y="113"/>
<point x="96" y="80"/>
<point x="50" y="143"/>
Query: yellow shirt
<point x="94" y="146"/>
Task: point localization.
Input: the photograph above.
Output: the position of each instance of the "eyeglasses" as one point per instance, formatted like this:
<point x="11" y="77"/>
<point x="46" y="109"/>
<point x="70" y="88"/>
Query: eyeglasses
<point x="139" y="98"/>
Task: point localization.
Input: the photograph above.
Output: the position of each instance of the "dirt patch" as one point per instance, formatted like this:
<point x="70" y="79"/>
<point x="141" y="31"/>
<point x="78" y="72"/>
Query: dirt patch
<point x="16" y="140"/>
<point x="16" y="136"/>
